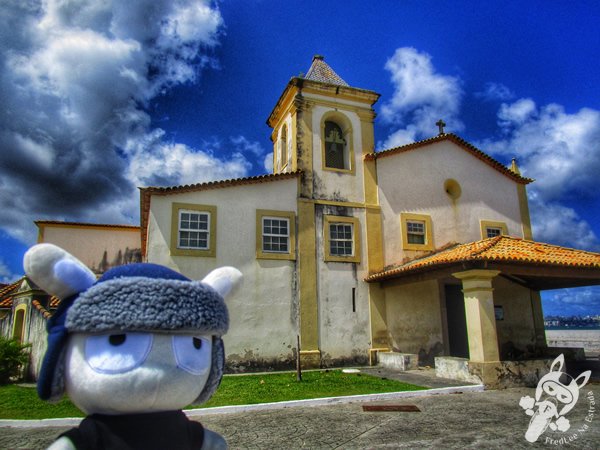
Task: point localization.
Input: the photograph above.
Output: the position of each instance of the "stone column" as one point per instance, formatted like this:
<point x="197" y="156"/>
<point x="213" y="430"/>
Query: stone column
<point x="479" y="310"/>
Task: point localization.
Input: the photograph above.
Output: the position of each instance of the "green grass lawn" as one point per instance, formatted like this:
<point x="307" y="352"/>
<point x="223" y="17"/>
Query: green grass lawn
<point x="18" y="402"/>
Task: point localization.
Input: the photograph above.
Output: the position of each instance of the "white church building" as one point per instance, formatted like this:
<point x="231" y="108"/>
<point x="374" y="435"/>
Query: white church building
<point x="422" y="250"/>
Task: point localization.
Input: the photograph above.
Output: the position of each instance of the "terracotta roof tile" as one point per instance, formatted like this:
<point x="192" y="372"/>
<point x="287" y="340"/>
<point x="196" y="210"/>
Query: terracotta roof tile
<point x="83" y="225"/>
<point x="497" y="249"/>
<point x="461" y="143"/>
<point x="9" y="288"/>
<point x="37" y="305"/>
<point x="219" y="184"/>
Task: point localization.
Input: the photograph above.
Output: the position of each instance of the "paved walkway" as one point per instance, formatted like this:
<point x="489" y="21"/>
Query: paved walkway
<point x="489" y="419"/>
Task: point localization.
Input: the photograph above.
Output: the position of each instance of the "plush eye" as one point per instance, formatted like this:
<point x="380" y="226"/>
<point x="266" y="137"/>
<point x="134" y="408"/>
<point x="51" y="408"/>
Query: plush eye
<point x="118" y="352"/>
<point x="193" y="353"/>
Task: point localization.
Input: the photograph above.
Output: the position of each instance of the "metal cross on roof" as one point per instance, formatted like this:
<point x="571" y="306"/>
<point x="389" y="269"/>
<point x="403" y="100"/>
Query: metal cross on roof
<point x="441" y="124"/>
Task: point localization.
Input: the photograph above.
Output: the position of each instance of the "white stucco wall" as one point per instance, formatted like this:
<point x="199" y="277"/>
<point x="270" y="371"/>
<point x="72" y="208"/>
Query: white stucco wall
<point x="89" y="243"/>
<point x="413" y="181"/>
<point x="263" y="313"/>
<point x="343" y="333"/>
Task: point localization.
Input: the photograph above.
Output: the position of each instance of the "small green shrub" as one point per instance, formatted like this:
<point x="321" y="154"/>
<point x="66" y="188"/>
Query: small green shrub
<point x="13" y="356"/>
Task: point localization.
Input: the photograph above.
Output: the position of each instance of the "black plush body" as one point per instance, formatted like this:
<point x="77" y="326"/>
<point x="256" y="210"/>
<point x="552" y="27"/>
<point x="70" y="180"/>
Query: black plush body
<point x="153" y="431"/>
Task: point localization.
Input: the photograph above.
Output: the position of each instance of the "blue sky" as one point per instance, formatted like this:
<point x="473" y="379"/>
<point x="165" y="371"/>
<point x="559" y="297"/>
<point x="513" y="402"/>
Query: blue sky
<point x="101" y="97"/>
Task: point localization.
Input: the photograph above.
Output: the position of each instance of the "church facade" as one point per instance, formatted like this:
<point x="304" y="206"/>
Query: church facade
<point x="423" y="250"/>
<point x="328" y="241"/>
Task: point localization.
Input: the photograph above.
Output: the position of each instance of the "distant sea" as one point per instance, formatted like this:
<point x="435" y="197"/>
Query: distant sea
<point x="597" y="327"/>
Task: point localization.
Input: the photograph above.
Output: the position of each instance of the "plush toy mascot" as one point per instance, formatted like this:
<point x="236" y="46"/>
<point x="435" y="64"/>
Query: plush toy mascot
<point x="131" y="350"/>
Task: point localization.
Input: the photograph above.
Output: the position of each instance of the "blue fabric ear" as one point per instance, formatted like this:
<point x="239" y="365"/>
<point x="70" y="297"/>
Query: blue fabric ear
<point x="57" y="338"/>
<point x="71" y="273"/>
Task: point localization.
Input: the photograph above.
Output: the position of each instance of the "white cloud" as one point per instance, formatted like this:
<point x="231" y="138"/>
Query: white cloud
<point x="76" y="77"/>
<point x="6" y="276"/>
<point x="268" y="162"/>
<point x="160" y="163"/>
<point x="560" y="225"/>
<point x="244" y="145"/>
<point x="572" y="302"/>
<point x="494" y="92"/>
<point x="560" y="150"/>
<point x="516" y="113"/>
<point x="421" y="97"/>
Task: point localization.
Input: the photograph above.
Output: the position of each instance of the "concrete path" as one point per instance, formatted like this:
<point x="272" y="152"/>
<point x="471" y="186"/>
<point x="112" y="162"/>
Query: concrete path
<point x="489" y="419"/>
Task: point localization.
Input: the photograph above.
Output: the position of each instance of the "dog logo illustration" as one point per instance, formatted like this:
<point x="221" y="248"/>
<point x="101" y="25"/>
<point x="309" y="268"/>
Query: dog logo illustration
<point x="556" y="394"/>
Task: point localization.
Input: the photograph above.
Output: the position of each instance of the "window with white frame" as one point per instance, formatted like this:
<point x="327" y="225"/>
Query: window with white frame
<point x="341" y="241"/>
<point x="415" y="231"/>
<point x="275" y="235"/>
<point x="490" y="229"/>
<point x="194" y="230"/>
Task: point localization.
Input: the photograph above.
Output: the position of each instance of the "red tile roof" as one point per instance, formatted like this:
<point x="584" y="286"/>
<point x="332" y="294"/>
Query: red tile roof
<point x="7" y="296"/>
<point x="219" y="184"/>
<point x="505" y="249"/>
<point x="85" y="225"/>
<point x="6" y="290"/>
<point x="37" y="305"/>
<point x="461" y="143"/>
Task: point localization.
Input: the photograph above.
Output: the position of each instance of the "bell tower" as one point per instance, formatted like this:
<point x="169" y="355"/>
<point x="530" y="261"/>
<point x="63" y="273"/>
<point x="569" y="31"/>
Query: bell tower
<point x="323" y="127"/>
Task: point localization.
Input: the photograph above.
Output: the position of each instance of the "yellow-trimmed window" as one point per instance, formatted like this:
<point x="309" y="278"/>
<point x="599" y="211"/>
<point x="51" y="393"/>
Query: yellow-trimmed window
<point x="342" y="239"/>
<point x="193" y="230"/>
<point x="416" y="231"/>
<point x="275" y="234"/>
<point x="490" y="229"/>
<point x="19" y="323"/>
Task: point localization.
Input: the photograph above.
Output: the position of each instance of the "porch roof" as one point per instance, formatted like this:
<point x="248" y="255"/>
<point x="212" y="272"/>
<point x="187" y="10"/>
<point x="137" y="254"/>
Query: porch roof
<point x="536" y="265"/>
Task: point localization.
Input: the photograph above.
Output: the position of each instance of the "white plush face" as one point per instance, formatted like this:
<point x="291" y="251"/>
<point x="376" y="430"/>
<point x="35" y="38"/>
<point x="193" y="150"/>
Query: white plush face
<point x="121" y="373"/>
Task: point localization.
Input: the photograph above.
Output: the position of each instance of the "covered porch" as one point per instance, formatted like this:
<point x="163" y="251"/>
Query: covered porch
<point x="491" y="326"/>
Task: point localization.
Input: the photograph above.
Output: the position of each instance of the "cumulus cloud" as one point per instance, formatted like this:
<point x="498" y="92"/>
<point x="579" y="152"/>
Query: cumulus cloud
<point x="494" y="92"/>
<point x="268" y="162"/>
<point x="243" y="145"/>
<point x="421" y="97"/>
<point x="561" y="151"/>
<point x="560" y="225"/>
<point x="154" y="162"/>
<point x="75" y="80"/>
<point x="6" y="276"/>
<point x="572" y="302"/>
